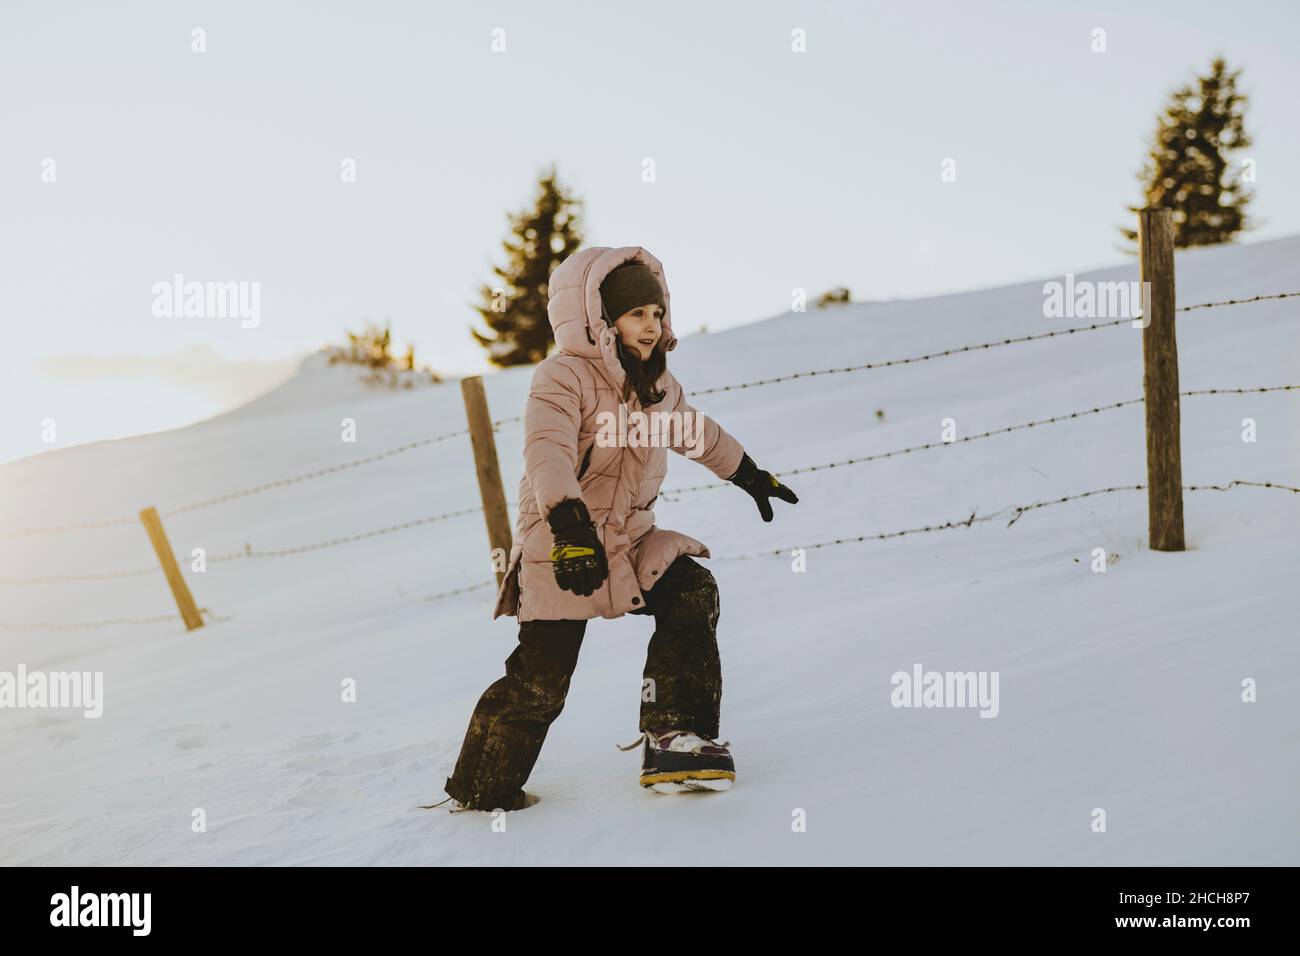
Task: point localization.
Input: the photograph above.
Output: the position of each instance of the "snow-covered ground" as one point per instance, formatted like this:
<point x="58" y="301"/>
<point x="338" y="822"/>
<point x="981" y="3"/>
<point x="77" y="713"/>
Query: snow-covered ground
<point x="1120" y="691"/>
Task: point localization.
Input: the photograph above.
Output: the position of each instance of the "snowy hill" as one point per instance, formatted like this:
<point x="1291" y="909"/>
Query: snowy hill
<point x="1118" y="690"/>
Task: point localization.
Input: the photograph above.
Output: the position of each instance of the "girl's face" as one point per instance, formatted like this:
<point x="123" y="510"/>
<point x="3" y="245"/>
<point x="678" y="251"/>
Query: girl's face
<point x="640" y="329"/>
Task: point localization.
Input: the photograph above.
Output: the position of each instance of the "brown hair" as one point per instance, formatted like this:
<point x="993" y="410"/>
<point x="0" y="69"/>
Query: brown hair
<point x="642" y="375"/>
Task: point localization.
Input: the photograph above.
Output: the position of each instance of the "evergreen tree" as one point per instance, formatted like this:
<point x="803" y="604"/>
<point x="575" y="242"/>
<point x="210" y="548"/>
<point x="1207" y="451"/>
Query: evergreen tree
<point x="1186" y="169"/>
<point x="514" y="308"/>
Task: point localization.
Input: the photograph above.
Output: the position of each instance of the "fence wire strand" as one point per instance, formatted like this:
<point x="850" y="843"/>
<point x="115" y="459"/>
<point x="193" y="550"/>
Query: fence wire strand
<point x="974" y="518"/>
<point x="866" y="366"/>
<point x="1017" y="511"/>
<point x="471" y="587"/>
<point x="255" y="490"/>
<point x="668" y="493"/>
<point x="102" y="576"/>
<point x="1223" y="302"/>
<point x="248" y="552"/>
<point x="911" y="360"/>
<point x="208" y="615"/>
<point x="332" y="469"/>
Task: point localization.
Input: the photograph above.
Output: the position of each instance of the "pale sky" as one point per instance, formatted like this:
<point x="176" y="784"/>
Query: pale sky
<point x="775" y="170"/>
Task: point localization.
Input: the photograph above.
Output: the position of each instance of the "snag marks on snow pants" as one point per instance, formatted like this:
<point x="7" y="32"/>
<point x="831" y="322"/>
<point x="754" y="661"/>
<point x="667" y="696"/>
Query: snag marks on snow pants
<point x="512" y="717"/>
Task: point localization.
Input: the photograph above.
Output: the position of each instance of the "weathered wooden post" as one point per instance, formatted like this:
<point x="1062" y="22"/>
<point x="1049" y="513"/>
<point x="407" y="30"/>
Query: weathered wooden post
<point x="495" y="511"/>
<point x="180" y="590"/>
<point x="1160" y="380"/>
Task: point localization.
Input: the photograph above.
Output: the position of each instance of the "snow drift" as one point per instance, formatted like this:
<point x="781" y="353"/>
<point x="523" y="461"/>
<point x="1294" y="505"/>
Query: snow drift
<point x="1119" y="691"/>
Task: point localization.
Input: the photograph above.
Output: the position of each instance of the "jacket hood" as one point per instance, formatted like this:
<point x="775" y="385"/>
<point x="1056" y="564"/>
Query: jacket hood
<point x="574" y="306"/>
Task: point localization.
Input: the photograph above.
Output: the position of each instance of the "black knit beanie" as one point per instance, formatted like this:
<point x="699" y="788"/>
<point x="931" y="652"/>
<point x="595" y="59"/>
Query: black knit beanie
<point x="628" y="286"/>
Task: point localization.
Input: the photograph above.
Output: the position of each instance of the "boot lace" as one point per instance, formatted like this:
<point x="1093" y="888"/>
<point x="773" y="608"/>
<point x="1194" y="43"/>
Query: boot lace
<point x="647" y="735"/>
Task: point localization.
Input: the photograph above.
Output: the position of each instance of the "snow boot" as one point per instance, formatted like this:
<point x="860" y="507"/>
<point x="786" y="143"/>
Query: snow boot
<point x="680" y="761"/>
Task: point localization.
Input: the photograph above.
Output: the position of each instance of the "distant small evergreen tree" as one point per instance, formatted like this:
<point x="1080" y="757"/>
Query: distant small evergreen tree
<point x="837" y="296"/>
<point x="371" y="348"/>
<point x="1186" y="169"/>
<point x="515" y="307"/>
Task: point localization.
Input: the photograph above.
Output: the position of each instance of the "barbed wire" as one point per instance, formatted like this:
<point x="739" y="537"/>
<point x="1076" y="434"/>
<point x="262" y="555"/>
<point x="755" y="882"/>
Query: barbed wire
<point x="866" y="366"/>
<point x="112" y="622"/>
<point x="668" y="493"/>
<point x="1241" y="483"/>
<point x="310" y="475"/>
<point x="79" y="526"/>
<point x="464" y="590"/>
<point x="1020" y="510"/>
<point x="208" y="615"/>
<point x="256" y="489"/>
<point x="975" y="518"/>
<point x="332" y="469"/>
<point x="248" y="552"/>
<point x="102" y="576"/>
<point x="1257" y="298"/>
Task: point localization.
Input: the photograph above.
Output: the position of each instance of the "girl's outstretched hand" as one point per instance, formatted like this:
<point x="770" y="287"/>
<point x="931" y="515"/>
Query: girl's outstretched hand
<point x="761" y="485"/>
<point x="577" y="556"/>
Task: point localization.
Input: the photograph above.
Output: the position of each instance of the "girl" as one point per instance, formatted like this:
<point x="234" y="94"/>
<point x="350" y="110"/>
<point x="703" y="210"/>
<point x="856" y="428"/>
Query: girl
<point x="586" y="544"/>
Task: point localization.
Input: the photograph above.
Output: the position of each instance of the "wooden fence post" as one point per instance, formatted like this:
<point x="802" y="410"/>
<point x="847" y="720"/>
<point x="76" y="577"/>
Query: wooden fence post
<point x="495" y="511"/>
<point x="180" y="590"/>
<point x="1160" y="380"/>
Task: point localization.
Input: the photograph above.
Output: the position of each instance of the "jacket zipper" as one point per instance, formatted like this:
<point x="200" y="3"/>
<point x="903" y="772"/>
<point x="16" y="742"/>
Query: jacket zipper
<point x="609" y="580"/>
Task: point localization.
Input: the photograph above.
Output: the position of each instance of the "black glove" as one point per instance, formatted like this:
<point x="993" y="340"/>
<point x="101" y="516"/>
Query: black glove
<point x="761" y="485"/>
<point x="577" y="557"/>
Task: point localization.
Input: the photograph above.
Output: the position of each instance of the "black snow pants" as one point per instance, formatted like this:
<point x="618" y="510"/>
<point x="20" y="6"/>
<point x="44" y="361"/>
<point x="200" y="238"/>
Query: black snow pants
<point x="682" y="687"/>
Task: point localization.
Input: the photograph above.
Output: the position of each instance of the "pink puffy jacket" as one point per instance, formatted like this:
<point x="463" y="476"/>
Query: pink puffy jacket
<point x="619" y="484"/>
